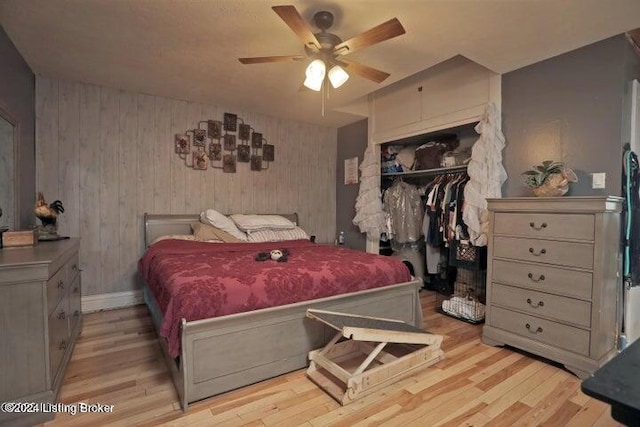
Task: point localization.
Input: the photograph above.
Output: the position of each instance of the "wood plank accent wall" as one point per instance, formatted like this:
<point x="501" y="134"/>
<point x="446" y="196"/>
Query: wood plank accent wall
<point x="108" y="155"/>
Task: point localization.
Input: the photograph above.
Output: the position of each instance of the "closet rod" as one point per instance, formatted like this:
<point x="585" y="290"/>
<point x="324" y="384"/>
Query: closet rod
<point x="427" y="172"/>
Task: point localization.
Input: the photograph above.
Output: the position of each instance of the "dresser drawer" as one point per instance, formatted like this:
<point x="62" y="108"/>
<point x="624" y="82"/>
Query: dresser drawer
<point x="74" y="305"/>
<point x="58" y="335"/>
<point x="541" y="330"/>
<point x="556" y="307"/>
<point x="544" y="251"/>
<point x="73" y="268"/>
<point x="544" y="278"/>
<point x="545" y="225"/>
<point x="56" y="288"/>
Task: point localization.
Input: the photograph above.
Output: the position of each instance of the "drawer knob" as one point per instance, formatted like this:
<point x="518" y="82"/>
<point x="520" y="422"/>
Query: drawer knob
<point x="62" y="315"/>
<point x="76" y="313"/>
<point x="74" y="267"/>
<point x="538" y="304"/>
<point x="76" y="290"/>
<point x="533" y="225"/>
<point x="530" y="276"/>
<point x="60" y="284"/>
<point x="541" y="252"/>
<point x="538" y="329"/>
<point x="63" y="345"/>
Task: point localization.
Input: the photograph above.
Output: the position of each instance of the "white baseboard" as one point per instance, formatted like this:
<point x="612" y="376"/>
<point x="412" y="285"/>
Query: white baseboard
<point x="111" y="301"/>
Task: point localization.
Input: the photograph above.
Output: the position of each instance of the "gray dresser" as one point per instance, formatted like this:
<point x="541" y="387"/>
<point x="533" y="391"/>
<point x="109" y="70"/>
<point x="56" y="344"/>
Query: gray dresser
<point x="554" y="278"/>
<point x="40" y="318"/>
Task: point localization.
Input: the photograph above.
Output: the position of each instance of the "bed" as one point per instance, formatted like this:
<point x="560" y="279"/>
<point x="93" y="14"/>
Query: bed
<point x="229" y="351"/>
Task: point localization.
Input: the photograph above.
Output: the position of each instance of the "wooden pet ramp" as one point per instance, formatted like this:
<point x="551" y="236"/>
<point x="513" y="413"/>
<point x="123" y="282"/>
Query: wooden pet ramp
<point x="376" y="352"/>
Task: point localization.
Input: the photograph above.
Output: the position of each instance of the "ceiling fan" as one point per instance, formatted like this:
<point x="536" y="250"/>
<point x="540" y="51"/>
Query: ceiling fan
<point x="327" y="50"/>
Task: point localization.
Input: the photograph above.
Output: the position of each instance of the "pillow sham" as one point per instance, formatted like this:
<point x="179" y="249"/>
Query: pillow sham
<point x="206" y="232"/>
<point x="249" y="223"/>
<point x="175" y="236"/>
<point x="295" y="233"/>
<point x="218" y="220"/>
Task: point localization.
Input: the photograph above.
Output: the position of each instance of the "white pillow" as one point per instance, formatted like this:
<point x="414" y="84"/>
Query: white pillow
<point x="277" y="235"/>
<point x="249" y="223"/>
<point x="215" y="218"/>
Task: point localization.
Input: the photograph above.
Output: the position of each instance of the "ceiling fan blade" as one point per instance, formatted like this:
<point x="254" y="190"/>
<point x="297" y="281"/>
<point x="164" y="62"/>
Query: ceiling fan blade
<point x="294" y="20"/>
<point x="388" y="30"/>
<point x="264" y="59"/>
<point x="364" y="70"/>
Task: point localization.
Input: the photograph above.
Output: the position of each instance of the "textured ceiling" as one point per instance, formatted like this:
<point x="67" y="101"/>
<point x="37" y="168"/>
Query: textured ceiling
<point x="188" y="49"/>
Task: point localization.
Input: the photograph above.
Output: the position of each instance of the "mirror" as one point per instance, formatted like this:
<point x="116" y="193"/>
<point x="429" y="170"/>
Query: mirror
<point x="8" y="148"/>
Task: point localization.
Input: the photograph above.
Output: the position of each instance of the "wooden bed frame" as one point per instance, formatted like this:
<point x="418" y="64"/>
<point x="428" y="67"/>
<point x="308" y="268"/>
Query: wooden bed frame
<point x="229" y="352"/>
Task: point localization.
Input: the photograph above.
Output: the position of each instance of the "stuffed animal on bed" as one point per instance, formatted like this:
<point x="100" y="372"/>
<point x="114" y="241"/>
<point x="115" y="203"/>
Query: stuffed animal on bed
<point x="279" y="255"/>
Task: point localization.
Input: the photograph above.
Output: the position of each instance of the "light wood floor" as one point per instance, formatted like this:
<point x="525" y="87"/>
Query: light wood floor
<point x="117" y="361"/>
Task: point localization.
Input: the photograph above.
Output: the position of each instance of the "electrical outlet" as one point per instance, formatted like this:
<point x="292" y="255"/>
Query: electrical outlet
<point x="598" y="180"/>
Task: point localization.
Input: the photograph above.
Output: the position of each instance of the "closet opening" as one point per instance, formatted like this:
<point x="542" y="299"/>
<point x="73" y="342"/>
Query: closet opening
<point x="423" y="179"/>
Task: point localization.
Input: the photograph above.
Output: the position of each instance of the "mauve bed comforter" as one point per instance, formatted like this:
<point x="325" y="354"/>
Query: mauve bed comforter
<point x="195" y="280"/>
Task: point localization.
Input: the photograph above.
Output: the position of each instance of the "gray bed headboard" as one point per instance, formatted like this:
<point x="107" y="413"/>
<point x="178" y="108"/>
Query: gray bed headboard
<point x="156" y="225"/>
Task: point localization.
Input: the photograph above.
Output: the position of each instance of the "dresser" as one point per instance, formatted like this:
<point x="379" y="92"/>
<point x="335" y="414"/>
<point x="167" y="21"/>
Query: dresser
<point x="40" y="318"/>
<point x="554" y="278"/>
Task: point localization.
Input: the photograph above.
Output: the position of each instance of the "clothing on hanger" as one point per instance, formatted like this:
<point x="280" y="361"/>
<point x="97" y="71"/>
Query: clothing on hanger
<point x="403" y="206"/>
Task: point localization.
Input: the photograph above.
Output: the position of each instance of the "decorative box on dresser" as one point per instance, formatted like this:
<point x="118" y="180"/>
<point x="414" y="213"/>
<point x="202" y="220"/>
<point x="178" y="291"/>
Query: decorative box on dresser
<point x="554" y="278"/>
<point x="40" y="319"/>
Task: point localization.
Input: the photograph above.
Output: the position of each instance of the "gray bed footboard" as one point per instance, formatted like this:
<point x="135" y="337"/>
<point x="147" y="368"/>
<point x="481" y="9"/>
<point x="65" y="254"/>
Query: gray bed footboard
<point x="225" y="353"/>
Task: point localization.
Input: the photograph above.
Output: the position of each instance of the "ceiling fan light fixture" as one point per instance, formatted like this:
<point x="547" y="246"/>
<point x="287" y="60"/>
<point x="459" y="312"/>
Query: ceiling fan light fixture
<point x="315" y="75"/>
<point x="338" y="76"/>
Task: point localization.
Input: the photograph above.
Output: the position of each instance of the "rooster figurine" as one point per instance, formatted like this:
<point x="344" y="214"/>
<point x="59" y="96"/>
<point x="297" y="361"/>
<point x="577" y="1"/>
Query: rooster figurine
<point x="48" y="214"/>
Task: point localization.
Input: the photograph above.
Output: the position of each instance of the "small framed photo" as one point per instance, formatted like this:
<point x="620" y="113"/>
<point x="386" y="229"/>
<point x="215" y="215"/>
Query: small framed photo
<point x="229" y="163"/>
<point x="229" y="142"/>
<point x="182" y="143"/>
<point x="244" y="131"/>
<point x="200" y="160"/>
<point x="200" y="137"/>
<point x="214" y="127"/>
<point x="230" y="122"/>
<point x="256" y="140"/>
<point x="256" y="163"/>
<point x="244" y="153"/>
<point x="268" y="153"/>
<point x="215" y="152"/>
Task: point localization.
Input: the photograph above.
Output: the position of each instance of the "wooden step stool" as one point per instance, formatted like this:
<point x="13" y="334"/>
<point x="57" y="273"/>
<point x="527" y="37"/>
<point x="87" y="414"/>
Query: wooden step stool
<point x="339" y="369"/>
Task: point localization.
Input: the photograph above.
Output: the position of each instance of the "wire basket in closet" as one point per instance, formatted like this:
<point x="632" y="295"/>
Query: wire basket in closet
<point x="466" y="299"/>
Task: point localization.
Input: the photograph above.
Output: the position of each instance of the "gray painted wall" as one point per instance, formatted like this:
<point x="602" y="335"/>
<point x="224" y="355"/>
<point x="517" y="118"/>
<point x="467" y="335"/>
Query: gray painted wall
<point x="7" y="177"/>
<point x="17" y="97"/>
<point x="569" y="108"/>
<point x="352" y="142"/>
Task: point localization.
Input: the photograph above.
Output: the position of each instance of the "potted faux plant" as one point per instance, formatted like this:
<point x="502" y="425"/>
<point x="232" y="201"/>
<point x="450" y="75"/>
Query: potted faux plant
<point x="549" y="179"/>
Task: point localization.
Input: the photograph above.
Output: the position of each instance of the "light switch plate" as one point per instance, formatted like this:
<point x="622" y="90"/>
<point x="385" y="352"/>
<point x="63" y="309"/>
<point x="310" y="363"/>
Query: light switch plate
<point x="598" y="180"/>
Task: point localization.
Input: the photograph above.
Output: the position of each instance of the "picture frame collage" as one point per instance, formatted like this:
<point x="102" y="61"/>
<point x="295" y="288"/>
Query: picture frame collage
<point x="221" y="144"/>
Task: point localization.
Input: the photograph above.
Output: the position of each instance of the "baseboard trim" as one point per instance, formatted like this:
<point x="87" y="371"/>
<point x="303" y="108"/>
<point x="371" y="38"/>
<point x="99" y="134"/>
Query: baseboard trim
<point x="91" y="303"/>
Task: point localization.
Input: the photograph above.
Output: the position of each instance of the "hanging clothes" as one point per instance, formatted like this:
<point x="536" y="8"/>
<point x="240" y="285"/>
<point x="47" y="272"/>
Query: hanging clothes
<point x="442" y="222"/>
<point x="444" y="207"/>
<point x="432" y="253"/>
<point x="404" y="210"/>
<point x="487" y="175"/>
<point x="370" y="217"/>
